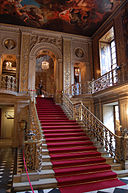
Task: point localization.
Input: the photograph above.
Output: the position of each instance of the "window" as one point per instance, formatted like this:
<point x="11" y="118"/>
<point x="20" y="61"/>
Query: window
<point x="107" y="50"/>
<point x="113" y="54"/>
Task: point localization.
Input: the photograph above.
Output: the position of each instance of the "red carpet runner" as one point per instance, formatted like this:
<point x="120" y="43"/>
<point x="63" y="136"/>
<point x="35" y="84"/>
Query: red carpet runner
<point x="77" y="164"/>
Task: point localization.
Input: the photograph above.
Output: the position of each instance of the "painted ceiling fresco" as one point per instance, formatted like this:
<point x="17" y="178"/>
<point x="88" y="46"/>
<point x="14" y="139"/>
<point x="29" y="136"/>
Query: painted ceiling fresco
<point x="71" y="16"/>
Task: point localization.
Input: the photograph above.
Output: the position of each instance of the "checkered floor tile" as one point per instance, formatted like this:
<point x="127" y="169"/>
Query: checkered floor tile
<point x="6" y="169"/>
<point x="55" y="190"/>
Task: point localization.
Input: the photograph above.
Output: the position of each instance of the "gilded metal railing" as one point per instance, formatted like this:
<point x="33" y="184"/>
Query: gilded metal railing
<point x="110" y="78"/>
<point x="79" y="89"/>
<point x="8" y="82"/>
<point x="114" y="77"/>
<point x="114" y="145"/>
<point x="33" y="145"/>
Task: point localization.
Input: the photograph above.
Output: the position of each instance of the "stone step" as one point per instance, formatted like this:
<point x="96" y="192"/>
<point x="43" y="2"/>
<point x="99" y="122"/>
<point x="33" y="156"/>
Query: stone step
<point x="45" y="152"/>
<point x="45" y="158"/>
<point x="34" y="176"/>
<point x="49" y="173"/>
<point x="121" y="173"/>
<point x="116" y="166"/>
<point x="39" y="184"/>
<point x="46" y="165"/>
<point x="109" y="160"/>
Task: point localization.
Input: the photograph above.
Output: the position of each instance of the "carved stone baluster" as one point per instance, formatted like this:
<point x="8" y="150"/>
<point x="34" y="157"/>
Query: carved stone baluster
<point x="9" y="82"/>
<point x="4" y="82"/>
<point x="106" y="140"/>
<point x="111" y="148"/>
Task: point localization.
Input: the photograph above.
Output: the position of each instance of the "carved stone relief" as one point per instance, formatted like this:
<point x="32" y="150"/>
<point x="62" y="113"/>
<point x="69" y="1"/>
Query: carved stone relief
<point x="67" y="62"/>
<point x="9" y="44"/>
<point x="24" y="63"/>
<point x="80" y="50"/>
<point x="35" y="39"/>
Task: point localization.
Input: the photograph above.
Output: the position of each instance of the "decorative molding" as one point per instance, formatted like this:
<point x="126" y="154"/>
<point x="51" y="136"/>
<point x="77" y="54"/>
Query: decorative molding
<point x="67" y="62"/>
<point x="47" y="46"/>
<point x="9" y="44"/>
<point x="119" y="40"/>
<point x="24" y="63"/>
<point x="79" y="52"/>
<point x="36" y="39"/>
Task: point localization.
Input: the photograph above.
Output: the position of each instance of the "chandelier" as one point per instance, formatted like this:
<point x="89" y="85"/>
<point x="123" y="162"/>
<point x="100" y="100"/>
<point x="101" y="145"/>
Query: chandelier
<point x="45" y="65"/>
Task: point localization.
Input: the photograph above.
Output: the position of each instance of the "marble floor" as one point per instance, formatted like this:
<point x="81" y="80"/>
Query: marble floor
<point x="6" y="169"/>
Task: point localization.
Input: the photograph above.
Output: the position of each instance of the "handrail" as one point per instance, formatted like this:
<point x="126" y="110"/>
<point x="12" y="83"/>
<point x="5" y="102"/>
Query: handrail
<point x="27" y="173"/>
<point x="114" y="145"/>
<point x="99" y="121"/>
<point x="33" y="144"/>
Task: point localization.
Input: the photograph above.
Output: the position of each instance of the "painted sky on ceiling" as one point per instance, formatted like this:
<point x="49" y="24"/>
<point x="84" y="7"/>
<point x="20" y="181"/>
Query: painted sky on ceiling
<point x="72" y="16"/>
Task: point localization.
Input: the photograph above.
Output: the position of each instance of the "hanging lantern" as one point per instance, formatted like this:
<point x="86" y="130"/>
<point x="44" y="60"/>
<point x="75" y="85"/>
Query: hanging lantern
<point x="45" y="65"/>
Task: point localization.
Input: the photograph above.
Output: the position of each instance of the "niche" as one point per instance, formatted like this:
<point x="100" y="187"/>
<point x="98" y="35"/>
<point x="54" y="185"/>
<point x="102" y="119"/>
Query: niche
<point x="9" y="65"/>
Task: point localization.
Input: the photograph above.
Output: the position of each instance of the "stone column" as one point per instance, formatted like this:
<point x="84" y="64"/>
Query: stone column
<point x="59" y="81"/>
<point x="66" y="62"/>
<point x="0" y="64"/>
<point x="24" y="62"/>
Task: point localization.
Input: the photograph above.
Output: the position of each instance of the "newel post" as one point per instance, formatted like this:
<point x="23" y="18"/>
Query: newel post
<point x="74" y="112"/>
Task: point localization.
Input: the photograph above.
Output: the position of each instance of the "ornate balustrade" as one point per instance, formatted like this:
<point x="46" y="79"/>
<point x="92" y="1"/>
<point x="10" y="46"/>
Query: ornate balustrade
<point x="33" y="145"/>
<point x="110" y="78"/>
<point x="79" y="89"/>
<point x="8" y="83"/>
<point x="114" y="77"/>
<point x="115" y="146"/>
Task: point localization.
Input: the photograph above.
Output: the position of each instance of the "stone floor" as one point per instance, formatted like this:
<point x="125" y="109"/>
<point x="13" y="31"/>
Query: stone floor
<point x="6" y="169"/>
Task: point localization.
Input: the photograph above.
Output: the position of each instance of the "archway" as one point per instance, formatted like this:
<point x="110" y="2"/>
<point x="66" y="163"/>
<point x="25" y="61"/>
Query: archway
<point x="45" y="73"/>
<point x="55" y="54"/>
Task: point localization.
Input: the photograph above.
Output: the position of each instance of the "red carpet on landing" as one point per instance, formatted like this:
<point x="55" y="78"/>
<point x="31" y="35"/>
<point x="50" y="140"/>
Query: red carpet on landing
<point x="77" y="164"/>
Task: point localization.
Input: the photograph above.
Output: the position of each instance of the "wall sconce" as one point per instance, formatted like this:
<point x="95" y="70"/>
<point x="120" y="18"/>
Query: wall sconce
<point x="77" y="71"/>
<point x="8" y="65"/>
<point x="22" y="124"/>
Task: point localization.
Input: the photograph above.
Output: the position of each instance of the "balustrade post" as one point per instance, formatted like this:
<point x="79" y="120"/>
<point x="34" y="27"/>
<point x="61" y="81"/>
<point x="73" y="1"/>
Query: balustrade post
<point x="74" y="113"/>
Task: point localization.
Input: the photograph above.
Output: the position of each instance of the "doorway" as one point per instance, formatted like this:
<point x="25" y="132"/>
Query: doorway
<point x="45" y="73"/>
<point x="7" y="121"/>
<point x="111" y="117"/>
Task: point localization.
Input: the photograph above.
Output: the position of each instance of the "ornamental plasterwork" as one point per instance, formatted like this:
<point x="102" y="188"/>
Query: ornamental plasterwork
<point x="24" y="63"/>
<point x="67" y="63"/>
<point x="79" y="52"/>
<point x="9" y="44"/>
<point x="47" y="39"/>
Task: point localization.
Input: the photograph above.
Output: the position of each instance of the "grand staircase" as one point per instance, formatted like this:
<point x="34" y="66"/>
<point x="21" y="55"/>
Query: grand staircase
<point x="77" y="164"/>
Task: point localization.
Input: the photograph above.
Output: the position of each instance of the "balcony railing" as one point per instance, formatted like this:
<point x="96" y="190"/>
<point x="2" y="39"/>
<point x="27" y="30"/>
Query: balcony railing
<point x="109" y="79"/>
<point x="8" y="82"/>
<point x="114" y="77"/>
<point x="79" y="89"/>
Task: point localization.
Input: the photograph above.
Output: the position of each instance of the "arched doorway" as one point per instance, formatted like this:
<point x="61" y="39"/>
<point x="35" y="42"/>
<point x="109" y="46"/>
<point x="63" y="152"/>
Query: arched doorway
<point x="45" y="73"/>
<point x="56" y="55"/>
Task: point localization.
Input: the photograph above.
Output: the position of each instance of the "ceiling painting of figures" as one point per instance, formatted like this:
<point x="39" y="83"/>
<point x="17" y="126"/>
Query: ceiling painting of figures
<point x="81" y="17"/>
